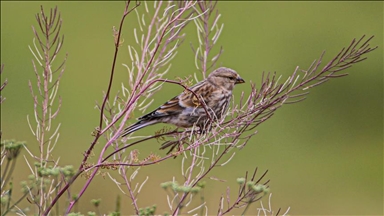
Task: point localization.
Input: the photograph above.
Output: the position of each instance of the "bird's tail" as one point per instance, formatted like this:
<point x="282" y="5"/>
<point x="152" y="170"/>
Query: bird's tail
<point x="138" y="125"/>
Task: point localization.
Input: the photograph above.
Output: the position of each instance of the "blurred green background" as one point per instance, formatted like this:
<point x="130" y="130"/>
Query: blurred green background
<point x="324" y="155"/>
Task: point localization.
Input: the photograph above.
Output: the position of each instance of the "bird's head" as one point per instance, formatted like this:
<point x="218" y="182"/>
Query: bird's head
<point x="225" y="78"/>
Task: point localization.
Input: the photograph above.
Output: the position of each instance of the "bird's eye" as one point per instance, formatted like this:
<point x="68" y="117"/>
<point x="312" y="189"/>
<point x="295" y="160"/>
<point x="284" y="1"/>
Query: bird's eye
<point x="231" y="78"/>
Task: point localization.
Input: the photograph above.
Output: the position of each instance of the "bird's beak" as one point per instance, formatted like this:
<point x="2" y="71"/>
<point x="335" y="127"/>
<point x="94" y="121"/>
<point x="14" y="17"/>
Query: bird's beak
<point x="239" y="80"/>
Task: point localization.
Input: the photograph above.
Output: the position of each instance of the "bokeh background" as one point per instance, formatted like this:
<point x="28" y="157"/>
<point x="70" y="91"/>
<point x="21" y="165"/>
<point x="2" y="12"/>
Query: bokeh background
<point x="324" y="155"/>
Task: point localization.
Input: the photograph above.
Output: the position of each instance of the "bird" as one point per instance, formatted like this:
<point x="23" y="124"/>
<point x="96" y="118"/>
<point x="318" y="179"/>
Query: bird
<point x="211" y="95"/>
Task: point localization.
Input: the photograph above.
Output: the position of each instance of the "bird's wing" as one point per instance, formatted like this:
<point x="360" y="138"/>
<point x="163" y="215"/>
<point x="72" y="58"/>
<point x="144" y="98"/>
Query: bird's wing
<point x="171" y="107"/>
<point x="177" y="104"/>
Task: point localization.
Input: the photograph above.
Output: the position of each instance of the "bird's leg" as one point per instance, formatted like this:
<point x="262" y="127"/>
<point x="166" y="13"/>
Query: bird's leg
<point x="205" y="128"/>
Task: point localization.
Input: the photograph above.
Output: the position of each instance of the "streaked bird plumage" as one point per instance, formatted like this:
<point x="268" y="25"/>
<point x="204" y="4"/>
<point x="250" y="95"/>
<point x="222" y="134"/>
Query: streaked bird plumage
<point x="186" y="110"/>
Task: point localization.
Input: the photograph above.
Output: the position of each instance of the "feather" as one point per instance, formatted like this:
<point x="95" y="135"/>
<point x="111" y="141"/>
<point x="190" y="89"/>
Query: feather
<point x="138" y="125"/>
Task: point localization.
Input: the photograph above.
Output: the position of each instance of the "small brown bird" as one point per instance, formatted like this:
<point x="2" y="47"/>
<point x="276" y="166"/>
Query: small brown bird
<point x="186" y="110"/>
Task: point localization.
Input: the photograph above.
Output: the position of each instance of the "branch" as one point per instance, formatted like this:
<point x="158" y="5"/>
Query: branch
<point x="2" y="86"/>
